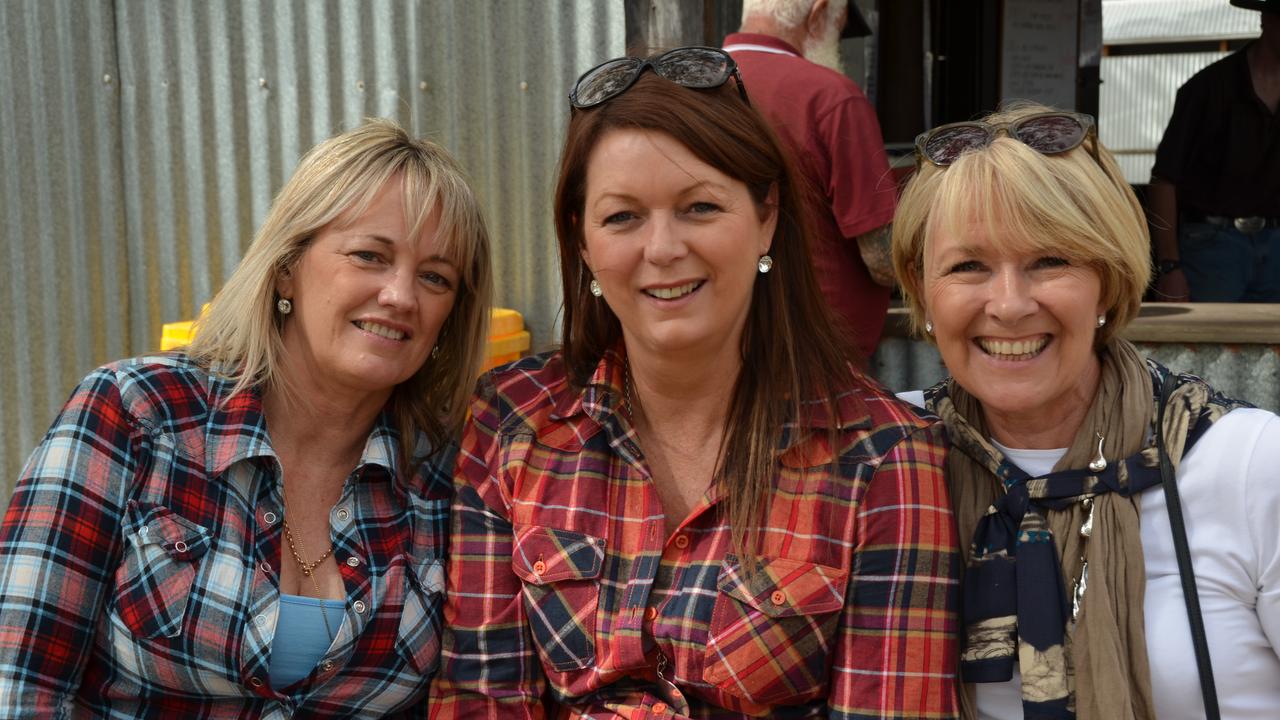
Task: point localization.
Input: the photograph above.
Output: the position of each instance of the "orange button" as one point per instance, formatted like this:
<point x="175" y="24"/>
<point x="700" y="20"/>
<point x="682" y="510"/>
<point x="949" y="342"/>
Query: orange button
<point x="778" y="597"/>
<point x="682" y="541"/>
<point x="659" y="708"/>
<point x="651" y="613"/>
<point x="539" y="568"/>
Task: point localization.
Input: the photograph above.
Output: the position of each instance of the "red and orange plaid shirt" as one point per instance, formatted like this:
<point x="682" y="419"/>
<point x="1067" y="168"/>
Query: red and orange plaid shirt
<point x="568" y="598"/>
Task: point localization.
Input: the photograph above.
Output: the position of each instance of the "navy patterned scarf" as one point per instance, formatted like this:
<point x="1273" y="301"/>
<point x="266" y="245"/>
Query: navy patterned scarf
<point x="1079" y="650"/>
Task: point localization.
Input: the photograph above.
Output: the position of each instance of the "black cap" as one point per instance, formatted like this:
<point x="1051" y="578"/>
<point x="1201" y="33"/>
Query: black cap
<point x="856" y="26"/>
<point x="1266" y="6"/>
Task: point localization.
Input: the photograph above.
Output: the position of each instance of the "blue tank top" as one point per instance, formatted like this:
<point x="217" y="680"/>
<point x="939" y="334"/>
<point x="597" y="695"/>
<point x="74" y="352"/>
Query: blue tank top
<point x="301" y="636"/>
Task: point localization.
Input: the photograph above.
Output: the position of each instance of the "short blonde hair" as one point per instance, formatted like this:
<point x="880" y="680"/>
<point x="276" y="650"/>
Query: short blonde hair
<point x="1065" y="204"/>
<point x="239" y="336"/>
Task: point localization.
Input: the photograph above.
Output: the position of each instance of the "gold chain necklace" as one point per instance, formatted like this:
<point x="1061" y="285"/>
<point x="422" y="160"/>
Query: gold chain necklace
<point x="308" y="569"/>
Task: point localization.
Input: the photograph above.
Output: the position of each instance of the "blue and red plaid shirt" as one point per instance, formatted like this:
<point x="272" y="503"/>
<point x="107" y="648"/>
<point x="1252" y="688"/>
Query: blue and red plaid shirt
<point x="567" y="597"/>
<point x="140" y="562"/>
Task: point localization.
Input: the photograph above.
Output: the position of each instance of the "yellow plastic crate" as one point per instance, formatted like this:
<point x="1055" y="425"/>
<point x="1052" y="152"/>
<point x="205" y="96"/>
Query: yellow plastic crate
<point x="504" y="321"/>
<point x="508" y="340"/>
<point x="175" y="335"/>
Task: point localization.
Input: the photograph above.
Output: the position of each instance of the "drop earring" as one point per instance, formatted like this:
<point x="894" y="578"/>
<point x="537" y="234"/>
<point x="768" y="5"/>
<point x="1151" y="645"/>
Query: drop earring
<point x="284" y="305"/>
<point x="1099" y="461"/>
<point x="595" y="288"/>
<point x="765" y="264"/>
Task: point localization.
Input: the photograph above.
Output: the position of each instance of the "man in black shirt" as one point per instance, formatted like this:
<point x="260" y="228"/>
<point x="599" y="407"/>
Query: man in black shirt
<point x="1215" y="187"/>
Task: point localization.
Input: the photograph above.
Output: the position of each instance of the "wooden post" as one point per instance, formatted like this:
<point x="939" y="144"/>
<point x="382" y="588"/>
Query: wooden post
<point x="656" y="25"/>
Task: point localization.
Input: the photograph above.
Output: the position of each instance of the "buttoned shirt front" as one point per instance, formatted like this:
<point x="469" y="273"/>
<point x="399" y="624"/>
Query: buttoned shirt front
<point x="565" y="588"/>
<point x="140" y="561"/>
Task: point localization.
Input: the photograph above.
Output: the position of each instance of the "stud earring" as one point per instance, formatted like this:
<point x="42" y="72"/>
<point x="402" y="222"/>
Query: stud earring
<point x="765" y="264"/>
<point x="595" y="288"/>
<point x="928" y="326"/>
<point x="1102" y="320"/>
<point x="284" y="305"/>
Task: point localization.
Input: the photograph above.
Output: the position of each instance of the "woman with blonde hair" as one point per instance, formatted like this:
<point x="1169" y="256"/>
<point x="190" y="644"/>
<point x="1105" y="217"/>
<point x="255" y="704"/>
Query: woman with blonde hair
<point x="255" y="526"/>
<point x="695" y="508"/>
<point x="1122" y="555"/>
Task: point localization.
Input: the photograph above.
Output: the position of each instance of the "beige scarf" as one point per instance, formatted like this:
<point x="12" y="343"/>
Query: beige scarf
<point x="1106" y="674"/>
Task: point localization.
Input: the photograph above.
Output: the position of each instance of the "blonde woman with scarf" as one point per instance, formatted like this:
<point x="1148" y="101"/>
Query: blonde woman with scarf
<point x="1022" y="253"/>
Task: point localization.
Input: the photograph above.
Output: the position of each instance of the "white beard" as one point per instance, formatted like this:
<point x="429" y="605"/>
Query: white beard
<point x="826" y="50"/>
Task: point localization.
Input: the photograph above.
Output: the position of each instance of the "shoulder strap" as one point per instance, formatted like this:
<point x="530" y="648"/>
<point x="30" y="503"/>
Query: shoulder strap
<point x="1185" y="571"/>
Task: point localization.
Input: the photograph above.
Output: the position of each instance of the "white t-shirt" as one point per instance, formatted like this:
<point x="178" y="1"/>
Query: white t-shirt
<point x="1229" y="483"/>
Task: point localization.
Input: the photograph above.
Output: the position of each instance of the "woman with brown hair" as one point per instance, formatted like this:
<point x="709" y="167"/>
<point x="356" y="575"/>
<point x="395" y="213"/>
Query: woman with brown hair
<point x="695" y="508"/>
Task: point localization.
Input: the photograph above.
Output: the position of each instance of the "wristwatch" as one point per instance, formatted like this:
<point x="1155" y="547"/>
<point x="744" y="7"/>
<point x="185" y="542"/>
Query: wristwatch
<point x="1167" y="266"/>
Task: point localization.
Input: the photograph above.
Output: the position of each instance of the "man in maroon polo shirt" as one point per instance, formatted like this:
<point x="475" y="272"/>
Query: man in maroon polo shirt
<point x="833" y="130"/>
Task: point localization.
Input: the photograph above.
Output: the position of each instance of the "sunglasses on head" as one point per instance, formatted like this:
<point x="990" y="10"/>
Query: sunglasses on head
<point x="1048" y="133"/>
<point x="700" y="68"/>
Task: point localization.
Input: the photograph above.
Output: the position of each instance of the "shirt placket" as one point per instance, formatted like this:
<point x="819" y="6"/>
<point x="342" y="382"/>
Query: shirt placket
<point x="640" y="637"/>
<point x="264" y="594"/>
<point x="354" y="564"/>
<point x="631" y="468"/>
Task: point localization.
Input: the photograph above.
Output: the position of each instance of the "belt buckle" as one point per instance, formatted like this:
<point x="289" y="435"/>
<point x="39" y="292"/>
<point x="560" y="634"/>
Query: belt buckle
<point x="1250" y="225"/>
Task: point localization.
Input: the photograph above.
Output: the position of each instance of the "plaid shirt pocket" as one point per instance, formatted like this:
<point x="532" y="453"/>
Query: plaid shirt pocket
<point x="772" y="633"/>
<point x="153" y="583"/>
<point x="418" y="638"/>
<point x="559" y="570"/>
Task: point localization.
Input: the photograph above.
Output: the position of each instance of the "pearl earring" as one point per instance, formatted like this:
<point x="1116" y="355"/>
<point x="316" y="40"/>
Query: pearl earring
<point x="1102" y="320"/>
<point x="284" y="306"/>
<point x="765" y="264"/>
<point x="595" y="288"/>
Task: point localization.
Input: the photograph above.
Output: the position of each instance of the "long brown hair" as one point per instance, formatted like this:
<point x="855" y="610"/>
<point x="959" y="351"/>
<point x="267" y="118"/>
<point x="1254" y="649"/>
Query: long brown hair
<point x="790" y="343"/>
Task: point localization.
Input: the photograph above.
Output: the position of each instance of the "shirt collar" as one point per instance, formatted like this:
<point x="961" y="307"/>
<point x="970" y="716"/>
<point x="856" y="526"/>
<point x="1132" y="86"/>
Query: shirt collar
<point x="604" y="394"/>
<point x="237" y="430"/>
<point x="764" y="41"/>
<point x="603" y="397"/>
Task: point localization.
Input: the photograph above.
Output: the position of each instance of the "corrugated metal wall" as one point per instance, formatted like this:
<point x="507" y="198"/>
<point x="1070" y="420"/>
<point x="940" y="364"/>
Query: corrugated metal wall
<point x="1245" y="372"/>
<point x="1135" y="103"/>
<point x="1157" y="21"/>
<point x="142" y="143"/>
<point x="1137" y="93"/>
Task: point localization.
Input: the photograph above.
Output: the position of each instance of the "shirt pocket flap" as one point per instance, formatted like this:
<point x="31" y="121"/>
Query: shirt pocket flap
<point x="180" y="538"/>
<point x="785" y="588"/>
<point x="545" y="555"/>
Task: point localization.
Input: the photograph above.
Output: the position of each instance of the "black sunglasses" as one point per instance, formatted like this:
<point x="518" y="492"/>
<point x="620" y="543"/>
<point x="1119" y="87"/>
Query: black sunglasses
<point x="1048" y="133"/>
<point x="700" y="68"/>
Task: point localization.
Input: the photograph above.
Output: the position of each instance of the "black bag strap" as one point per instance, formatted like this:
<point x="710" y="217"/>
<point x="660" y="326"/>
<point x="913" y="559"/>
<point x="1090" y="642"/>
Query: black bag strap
<point x="1185" y="571"/>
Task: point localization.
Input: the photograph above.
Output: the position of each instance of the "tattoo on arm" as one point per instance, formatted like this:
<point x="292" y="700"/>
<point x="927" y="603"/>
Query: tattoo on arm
<point x="874" y="248"/>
